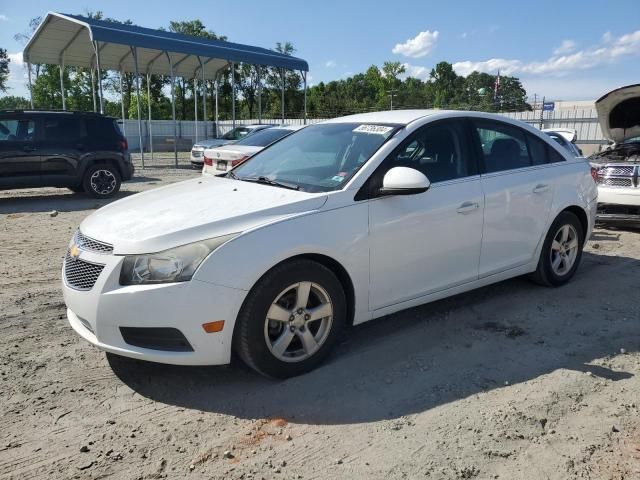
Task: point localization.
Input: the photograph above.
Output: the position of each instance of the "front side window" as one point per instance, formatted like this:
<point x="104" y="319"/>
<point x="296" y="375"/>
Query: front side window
<point x="318" y="158"/>
<point x="16" y="130"/>
<point x="504" y="147"/>
<point x="439" y="151"/>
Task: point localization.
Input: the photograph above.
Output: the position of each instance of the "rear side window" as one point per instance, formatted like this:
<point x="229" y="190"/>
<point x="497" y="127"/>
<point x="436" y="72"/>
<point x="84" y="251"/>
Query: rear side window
<point x="62" y="129"/>
<point x="16" y="130"/>
<point x="503" y="147"/>
<point x="100" y="127"/>
<point x="537" y="150"/>
<point x="554" y="156"/>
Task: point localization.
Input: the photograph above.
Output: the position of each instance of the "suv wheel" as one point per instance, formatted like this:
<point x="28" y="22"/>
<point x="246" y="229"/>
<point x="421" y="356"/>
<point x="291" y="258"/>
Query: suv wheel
<point x="101" y="181"/>
<point x="561" y="251"/>
<point x="291" y="319"/>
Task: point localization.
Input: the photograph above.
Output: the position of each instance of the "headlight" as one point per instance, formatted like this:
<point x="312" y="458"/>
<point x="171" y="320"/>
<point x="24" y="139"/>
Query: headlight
<point x="174" y="265"/>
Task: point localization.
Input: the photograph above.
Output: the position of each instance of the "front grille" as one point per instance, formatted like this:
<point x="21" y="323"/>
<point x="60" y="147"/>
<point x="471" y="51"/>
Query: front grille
<point x="616" y="182"/>
<point x="80" y="274"/>
<point x="617" y="170"/>
<point x="87" y="243"/>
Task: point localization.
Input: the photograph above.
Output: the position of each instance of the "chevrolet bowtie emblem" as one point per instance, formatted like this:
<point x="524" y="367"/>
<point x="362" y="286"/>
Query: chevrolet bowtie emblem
<point x="74" y="251"/>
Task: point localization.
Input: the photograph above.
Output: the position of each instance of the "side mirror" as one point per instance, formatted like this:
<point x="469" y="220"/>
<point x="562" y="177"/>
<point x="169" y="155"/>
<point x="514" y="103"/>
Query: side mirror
<point x="404" y="181"/>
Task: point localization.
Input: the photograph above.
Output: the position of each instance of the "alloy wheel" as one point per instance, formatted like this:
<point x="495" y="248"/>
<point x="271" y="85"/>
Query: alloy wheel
<point x="564" y="249"/>
<point x="103" y="182"/>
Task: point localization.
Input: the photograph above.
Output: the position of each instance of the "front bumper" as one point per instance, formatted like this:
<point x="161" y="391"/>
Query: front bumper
<point x="618" y="206"/>
<point x="197" y="160"/>
<point x="97" y="314"/>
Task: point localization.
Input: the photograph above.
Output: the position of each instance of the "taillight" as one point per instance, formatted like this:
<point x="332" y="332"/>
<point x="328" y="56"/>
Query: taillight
<point x="208" y="161"/>
<point x="594" y="174"/>
<point x="238" y="161"/>
<point x="123" y="144"/>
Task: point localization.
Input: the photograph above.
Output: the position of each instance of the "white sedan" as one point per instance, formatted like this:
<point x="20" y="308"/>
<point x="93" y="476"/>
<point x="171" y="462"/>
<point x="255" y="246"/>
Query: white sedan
<point x="222" y="159"/>
<point x="342" y="222"/>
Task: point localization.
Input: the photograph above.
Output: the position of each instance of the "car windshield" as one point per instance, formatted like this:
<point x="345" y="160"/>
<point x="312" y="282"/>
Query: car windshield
<point x="318" y="158"/>
<point x="236" y="133"/>
<point x="264" y="137"/>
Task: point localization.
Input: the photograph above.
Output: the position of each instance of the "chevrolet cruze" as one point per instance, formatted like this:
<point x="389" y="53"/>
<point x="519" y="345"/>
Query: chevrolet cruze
<point x="336" y="224"/>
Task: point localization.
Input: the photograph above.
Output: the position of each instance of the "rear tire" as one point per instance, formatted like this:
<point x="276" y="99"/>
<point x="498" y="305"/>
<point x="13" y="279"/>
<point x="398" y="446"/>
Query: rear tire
<point x="561" y="251"/>
<point x="101" y="180"/>
<point x="291" y="319"/>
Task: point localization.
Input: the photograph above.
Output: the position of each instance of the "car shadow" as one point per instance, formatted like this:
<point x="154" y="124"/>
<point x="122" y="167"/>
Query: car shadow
<point x="420" y="358"/>
<point x="61" y="202"/>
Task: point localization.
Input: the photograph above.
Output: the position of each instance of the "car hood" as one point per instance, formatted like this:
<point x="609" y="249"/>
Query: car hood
<point x="193" y="210"/>
<point x="619" y="113"/>
<point x="231" y="152"/>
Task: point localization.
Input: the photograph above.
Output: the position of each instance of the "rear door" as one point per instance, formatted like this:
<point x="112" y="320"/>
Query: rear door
<point x="61" y="139"/>
<point x="518" y="184"/>
<point x="19" y="155"/>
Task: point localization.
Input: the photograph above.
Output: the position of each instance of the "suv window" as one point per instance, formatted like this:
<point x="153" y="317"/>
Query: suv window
<point x="439" y="151"/>
<point x="100" y="127"/>
<point x="16" y="130"/>
<point x="61" y="129"/>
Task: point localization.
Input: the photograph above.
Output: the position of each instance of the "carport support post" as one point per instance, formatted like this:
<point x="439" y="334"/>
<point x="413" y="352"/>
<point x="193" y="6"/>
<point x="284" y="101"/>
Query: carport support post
<point x="216" y="92"/>
<point x="233" y="93"/>
<point x="124" y="129"/>
<point x="98" y="73"/>
<point x="93" y="91"/>
<point x="282" y="96"/>
<point x="134" y="51"/>
<point x="304" y="78"/>
<point x="61" y="68"/>
<point x="204" y="97"/>
<point x="195" y="104"/>
<point x="149" y="105"/>
<point x="30" y="85"/>
<point x="258" y="68"/>
<point x="173" y="108"/>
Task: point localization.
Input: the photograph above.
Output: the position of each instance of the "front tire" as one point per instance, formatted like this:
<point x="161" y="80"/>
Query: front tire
<point x="561" y="251"/>
<point x="291" y="319"/>
<point x="101" y="181"/>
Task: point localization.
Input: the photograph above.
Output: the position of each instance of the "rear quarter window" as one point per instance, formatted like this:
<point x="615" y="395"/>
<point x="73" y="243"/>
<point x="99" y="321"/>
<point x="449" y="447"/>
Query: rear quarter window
<point x="103" y="128"/>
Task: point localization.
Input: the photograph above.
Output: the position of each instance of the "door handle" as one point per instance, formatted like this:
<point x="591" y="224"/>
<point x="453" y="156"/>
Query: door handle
<point x="541" y="188"/>
<point x="468" y="207"/>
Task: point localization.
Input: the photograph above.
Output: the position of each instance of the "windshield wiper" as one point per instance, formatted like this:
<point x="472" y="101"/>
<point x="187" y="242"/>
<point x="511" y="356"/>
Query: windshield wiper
<point x="268" y="181"/>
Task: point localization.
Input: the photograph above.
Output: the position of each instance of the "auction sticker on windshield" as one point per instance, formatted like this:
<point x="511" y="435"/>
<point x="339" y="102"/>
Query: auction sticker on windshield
<point x="376" y="129"/>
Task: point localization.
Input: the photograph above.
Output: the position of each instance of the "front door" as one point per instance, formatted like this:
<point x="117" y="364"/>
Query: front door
<point x="420" y="244"/>
<point x="19" y="156"/>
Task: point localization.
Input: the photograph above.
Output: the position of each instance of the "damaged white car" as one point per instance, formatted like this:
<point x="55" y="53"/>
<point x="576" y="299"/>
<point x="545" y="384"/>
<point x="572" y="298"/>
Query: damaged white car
<point x="617" y="168"/>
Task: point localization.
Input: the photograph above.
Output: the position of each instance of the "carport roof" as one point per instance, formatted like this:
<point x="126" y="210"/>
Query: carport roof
<point x="68" y="39"/>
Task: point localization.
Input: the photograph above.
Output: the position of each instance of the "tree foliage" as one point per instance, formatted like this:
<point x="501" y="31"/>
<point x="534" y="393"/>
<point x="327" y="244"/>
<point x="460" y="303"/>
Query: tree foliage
<point x="4" y="69"/>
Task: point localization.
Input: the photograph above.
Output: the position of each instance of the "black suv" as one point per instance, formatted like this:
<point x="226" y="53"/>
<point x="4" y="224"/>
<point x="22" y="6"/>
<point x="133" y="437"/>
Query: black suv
<point x="85" y="152"/>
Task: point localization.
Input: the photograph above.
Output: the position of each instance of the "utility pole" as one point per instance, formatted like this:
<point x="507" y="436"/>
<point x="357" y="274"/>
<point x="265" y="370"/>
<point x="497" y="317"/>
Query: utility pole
<point x="542" y="113"/>
<point x="391" y="94"/>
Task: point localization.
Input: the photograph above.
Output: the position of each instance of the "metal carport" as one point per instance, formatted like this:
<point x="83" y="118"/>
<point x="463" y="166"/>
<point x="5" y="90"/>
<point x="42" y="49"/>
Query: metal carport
<point x="77" y="41"/>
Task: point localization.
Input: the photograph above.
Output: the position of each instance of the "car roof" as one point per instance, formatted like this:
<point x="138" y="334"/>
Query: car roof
<point x="398" y="117"/>
<point x="53" y="112"/>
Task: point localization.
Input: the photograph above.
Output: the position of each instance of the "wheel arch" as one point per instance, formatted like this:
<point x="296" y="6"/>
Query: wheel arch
<point x="336" y="267"/>
<point x="582" y="216"/>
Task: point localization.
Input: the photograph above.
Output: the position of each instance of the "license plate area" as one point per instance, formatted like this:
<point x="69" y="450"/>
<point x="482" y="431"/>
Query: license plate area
<point x="221" y="165"/>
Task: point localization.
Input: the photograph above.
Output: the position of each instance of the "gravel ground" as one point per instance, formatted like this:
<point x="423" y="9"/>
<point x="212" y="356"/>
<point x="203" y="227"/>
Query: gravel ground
<point x="513" y="381"/>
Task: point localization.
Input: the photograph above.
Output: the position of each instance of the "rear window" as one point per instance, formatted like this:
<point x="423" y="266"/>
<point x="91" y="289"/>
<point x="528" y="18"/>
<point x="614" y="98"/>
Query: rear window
<point x="264" y="137"/>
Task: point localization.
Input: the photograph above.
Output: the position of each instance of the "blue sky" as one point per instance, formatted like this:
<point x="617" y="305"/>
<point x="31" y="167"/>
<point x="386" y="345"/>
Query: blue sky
<point x="570" y="50"/>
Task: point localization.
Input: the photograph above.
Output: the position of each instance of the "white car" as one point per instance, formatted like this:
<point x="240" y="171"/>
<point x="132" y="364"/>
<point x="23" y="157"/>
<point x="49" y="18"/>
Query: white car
<point x="566" y="137"/>
<point x="340" y="223"/>
<point x="233" y="135"/>
<point x="222" y="159"/>
<point x="617" y="169"/>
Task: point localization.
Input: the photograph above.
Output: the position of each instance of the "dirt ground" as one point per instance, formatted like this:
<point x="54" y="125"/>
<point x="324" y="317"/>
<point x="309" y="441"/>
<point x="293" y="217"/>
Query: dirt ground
<point x="513" y="381"/>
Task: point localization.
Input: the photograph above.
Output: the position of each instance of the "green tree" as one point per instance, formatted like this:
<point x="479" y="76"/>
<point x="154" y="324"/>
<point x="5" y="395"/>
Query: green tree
<point x="4" y="69"/>
<point x="13" y="103"/>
